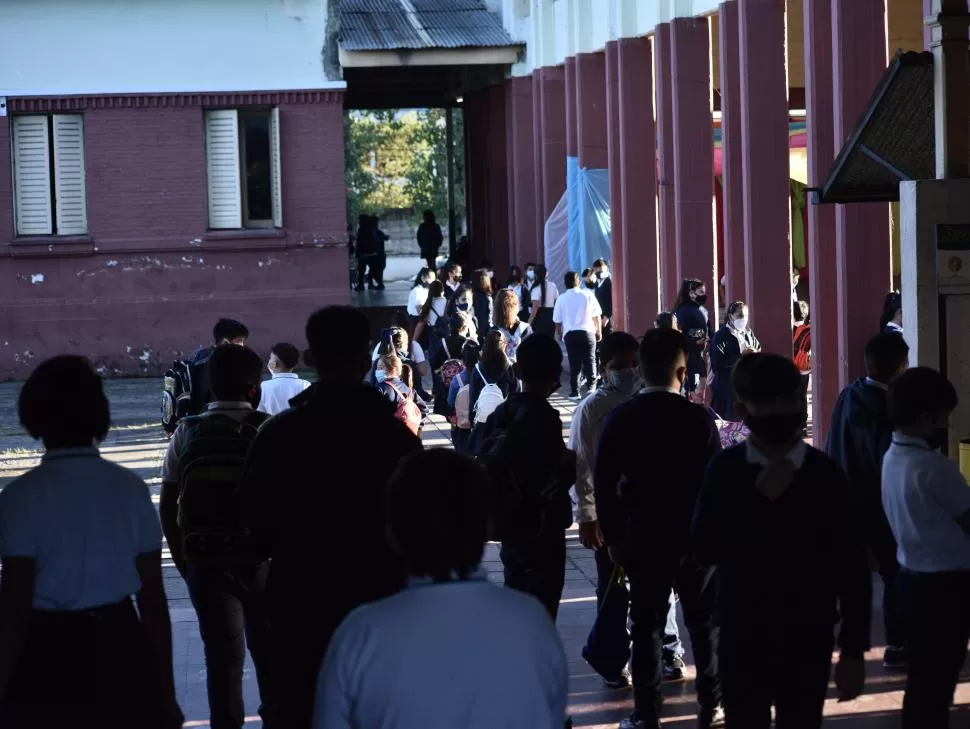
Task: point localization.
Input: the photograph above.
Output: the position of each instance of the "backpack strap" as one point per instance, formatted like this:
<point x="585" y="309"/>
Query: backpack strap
<point x="482" y="374"/>
<point x="399" y="393"/>
<point x="447" y="351"/>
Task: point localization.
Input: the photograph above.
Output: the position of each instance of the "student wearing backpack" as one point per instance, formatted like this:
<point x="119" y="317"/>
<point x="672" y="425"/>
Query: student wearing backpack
<point x="204" y="522"/>
<point x="507" y="321"/>
<point x="314" y="479"/>
<point x="433" y="317"/>
<point x="395" y="382"/>
<point x="802" y="341"/>
<point x="447" y="361"/>
<point x="490" y="382"/>
<point x="460" y="401"/>
<point x="185" y="386"/>
<point x="532" y="470"/>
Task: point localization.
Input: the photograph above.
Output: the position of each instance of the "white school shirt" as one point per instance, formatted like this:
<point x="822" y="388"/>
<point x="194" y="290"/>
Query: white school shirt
<point x="923" y="492"/>
<point x="380" y="668"/>
<point x="277" y="392"/>
<point x="84" y="521"/>
<point x="552" y="294"/>
<point x="416" y="298"/>
<point x="575" y="311"/>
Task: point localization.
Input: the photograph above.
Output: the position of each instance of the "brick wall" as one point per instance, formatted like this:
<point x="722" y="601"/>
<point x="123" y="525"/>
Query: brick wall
<point x="149" y="281"/>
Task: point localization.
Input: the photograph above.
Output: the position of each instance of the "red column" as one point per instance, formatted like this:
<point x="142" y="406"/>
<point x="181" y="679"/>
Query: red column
<point x="569" y="92"/>
<point x="617" y="240"/>
<point x="538" y="151"/>
<point x="553" y="138"/>
<point x="861" y="231"/>
<point x="822" y="264"/>
<point x="496" y="166"/>
<point x="522" y="172"/>
<point x="731" y="167"/>
<point x="591" y="110"/>
<point x="764" y="149"/>
<point x="638" y="189"/>
<point x="513" y="242"/>
<point x="670" y="276"/>
<point x="693" y="152"/>
<point x="475" y="110"/>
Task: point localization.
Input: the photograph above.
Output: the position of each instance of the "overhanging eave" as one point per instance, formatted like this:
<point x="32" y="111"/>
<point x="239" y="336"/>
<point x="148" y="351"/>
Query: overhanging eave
<point x="397" y="58"/>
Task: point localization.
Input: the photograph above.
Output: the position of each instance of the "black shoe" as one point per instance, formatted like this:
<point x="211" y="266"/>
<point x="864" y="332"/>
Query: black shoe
<point x="358" y="288"/>
<point x="574" y="395"/>
<point x="624" y="680"/>
<point x="380" y="287"/>
<point x="635" y="722"/>
<point x="674" y="669"/>
<point x="894" y="658"/>
<point x="711" y="718"/>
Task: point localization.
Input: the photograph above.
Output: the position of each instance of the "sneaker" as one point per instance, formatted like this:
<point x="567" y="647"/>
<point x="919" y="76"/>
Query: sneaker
<point x="624" y="680"/>
<point x="711" y="718"/>
<point x="894" y="658"/>
<point x="674" y="669"/>
<point x="574" y="396"/>
<point x="635" y="722"/>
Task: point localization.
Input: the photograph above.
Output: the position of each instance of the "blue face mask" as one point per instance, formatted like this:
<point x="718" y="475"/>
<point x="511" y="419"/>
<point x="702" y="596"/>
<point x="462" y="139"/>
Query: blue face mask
<point x="462" y="306"/>
<point x="380" y="375"/>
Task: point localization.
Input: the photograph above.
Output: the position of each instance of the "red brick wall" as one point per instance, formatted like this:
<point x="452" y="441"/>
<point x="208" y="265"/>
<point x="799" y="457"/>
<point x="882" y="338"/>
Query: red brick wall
<point x="150" y="282"/>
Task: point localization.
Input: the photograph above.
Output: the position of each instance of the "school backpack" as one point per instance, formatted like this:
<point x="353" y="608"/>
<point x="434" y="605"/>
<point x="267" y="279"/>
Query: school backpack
<point x="463" y="415"/>
<point x="185" y="389"/>
<point x="211" y="515"/>
<point x="512" y="341"/>
<point x="490" y="397"/>
<point x="449" y="368"/>
<point x="803" y="347"/>
<point x="407" y="410"/>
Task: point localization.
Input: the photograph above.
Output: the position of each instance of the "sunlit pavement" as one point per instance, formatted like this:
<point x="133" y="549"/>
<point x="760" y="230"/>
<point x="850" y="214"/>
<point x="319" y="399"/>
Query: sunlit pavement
<point x="138" y="443"/>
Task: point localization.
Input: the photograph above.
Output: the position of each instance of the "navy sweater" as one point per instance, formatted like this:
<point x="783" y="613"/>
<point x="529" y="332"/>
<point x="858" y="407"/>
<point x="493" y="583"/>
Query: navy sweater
<point x="788" y="567"/>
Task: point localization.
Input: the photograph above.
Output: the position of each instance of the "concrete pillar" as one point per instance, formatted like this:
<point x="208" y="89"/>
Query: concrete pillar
<point x="522" y="172"/>
<point x="670" y="276"/>
<point x="497" y="199"/>
<point x="617" y="239"/>
<point x="823" y="287"/>
<point x="638" y="188"/>
<point x="694" y="152"/>
<point x="538" y="151"/>
<point x="764" y="151"/>
<point x="863" y="251"/>
<point x="731" y="166"/>
<point x="572" y="151"/>
<point x="553" y="138"/>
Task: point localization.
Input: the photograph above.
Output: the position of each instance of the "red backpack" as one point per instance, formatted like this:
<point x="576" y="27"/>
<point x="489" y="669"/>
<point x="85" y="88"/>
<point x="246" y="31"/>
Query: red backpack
<point x="802" y="346"/>
<point x="407" y="411"/>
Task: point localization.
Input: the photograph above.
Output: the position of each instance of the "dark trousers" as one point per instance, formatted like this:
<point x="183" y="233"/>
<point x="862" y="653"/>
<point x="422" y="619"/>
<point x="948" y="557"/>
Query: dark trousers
<point x="581" y="351"/>
<point x="894" y="616"/>
<point x="938" y="627"/>
<point x="233" y="611"/>
<point x="616" y="635"/>
<point x="431" y="259"/>
<point x="365" y="270"/>
<point x="377" y="269"/>
<point x="790" y="671"/>
<point x="537" y="567"/>
<point x="650" y="586"/>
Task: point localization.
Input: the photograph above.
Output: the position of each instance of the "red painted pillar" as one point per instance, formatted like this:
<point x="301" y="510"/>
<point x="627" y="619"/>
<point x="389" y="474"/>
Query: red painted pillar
<point x="510" y="149"/>
<point x="538" y="167"/>
<point x="862" y="230"/>
<point x="693" y="152"/>
<point x="496" y="166"/>
<point x="764" y="149"/>
<point x="638" y="187"/>
<point x="591" y="110"/>
<point x="554" y="113"/>
<point x="522" y="172"/>
<point x="569" y="93"/>
<point x="731" y="167"/>
<point x="617" y="239"/>
<point x="670" y="276"/>
<point x="475" y="110"/>
<point x="822" y="264"/>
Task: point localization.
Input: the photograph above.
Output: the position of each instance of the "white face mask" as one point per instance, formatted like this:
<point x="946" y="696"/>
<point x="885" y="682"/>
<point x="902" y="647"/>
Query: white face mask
<point x="740" y="324"/>
<point x="490" y="274"/>
<point x="530" y="274"/>
<point x="626" y="381"/>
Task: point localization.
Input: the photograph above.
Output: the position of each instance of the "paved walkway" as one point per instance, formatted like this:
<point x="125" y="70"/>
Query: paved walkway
<point x="138" y="443"/>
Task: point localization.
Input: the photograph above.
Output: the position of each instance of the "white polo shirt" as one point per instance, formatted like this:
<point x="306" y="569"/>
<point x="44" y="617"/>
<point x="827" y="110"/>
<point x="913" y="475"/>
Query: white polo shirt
<point x="277" y="392"/>
<point x="84" y="521"/>
<point x="923" y="492"/>
<point x="552" y="295"/>
<point x="416" y="299"/>
<point x="575" y="311"/>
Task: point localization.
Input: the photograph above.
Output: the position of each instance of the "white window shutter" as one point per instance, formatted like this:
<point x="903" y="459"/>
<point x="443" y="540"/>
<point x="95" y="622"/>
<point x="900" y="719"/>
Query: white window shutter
<point x="32" y="176"/>
<point x="69" y="191"/>
<point x="275" y="172"/>
<point x="223" y="181"/>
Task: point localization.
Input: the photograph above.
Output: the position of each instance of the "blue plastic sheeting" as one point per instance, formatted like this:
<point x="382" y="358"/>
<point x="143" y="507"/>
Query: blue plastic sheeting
<point x="578" y="230"/>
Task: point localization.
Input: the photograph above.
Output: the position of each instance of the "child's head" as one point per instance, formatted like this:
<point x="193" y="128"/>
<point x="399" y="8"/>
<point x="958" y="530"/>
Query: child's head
<point x="229" y="331"/>
<point x="340" y="345"/>
<point x="920" y="403"/>
<point x="284" y="357"/>
<point x="887" y="355"/>
<point x="800" y="311"/>
<point x="770" y="396"/>
<point x="663" y="358"/>
<point x="539" y="364"/>
<point x="389" y="367"/>
<point x="666" y="320"/>
<point x="458" y="324"/>
<point x="63" y="404"/>
<point x="235" y="374"/>
<point x="620" y="354"/>
<point x="507" y="309"/>
<point x="493" y="352"/>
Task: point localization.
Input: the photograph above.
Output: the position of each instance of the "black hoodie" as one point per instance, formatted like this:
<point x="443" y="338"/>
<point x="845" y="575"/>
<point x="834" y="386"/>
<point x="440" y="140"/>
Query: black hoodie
<point x="858" y="438"/>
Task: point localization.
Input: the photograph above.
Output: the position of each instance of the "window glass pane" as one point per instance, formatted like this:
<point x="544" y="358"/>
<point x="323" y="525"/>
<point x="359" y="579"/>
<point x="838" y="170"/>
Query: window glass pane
<point x="259" y="190"/>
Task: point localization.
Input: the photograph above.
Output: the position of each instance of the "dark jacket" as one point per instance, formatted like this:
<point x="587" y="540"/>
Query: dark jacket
<point x="784" y="568"/>
<point x="650" y="463"/>
<point x="604" y="296"/>
<point x="725" y="353"/>
<point x="429" y="238"/>
<point x="484" y="316"/>
<point x="315" y="478"/>
<point x="694" y="323"/>
<point x="395" y="389"/>
<point x="454" y="347"/>
<point x="858" y="438"/>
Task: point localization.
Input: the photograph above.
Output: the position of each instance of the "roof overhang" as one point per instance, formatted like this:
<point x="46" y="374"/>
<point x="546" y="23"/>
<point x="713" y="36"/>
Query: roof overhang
<point x="893" y="141"/>
<point x="400" y="57"/>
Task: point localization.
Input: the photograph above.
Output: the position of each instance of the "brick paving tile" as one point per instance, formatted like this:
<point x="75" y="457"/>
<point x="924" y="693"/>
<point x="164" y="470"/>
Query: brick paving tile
<point x="138" y="443"/>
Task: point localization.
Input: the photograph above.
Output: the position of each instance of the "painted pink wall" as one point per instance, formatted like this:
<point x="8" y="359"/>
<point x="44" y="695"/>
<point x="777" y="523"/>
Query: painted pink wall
<point x="149" y="281"/>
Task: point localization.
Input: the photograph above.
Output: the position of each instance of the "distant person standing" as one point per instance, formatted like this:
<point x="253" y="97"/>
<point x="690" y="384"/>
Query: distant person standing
<point x="430" y="239"/>
<point x="892" y="314"/>
<point x="366" y="251"/>
<point x="380" y="244"/>
<point x="577" y="319"/>
<point x="695" y="323"/>
<point x="603" y="287"/>
<point x="543" y="294"/>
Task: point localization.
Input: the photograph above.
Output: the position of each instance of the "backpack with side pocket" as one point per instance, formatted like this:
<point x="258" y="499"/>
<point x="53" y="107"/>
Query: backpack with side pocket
<point x="211" y="515"/>
<point x="463" y="415"/>
<point x="489" y="398"/>
<point x="407" y="410"/>
<point x="449" y="368"/>
<point x="802" y="347"/>
<point x="185" y="390"/>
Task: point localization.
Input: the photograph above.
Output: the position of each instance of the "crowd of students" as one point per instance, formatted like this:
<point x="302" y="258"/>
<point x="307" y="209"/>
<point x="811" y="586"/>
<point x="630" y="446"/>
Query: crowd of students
<point x="771" y="540"/>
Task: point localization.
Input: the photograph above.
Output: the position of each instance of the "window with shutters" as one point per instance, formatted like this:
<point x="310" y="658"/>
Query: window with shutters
<point x="243" y="168"/>
<point x="48" y="174"/>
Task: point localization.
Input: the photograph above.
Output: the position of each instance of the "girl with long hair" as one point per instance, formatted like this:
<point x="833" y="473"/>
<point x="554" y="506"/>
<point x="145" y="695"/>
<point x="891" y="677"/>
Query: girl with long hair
<point x="482" y="299"/>
<point x="435" y="307"/>
<point x="543" y="294"/>
<point x="694" y="321"/>
<point x="733" y="341"/>
<point x="507" y="308"/>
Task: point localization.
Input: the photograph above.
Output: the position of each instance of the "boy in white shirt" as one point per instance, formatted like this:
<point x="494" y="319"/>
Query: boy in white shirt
<point x="286" y="384"/>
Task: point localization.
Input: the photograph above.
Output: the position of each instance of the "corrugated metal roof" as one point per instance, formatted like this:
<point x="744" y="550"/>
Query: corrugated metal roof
<point x="384" y="25"/>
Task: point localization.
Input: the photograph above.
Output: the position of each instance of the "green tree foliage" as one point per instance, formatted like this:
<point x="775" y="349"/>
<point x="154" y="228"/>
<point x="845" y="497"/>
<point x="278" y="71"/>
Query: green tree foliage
<point x="399" y="160"/>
